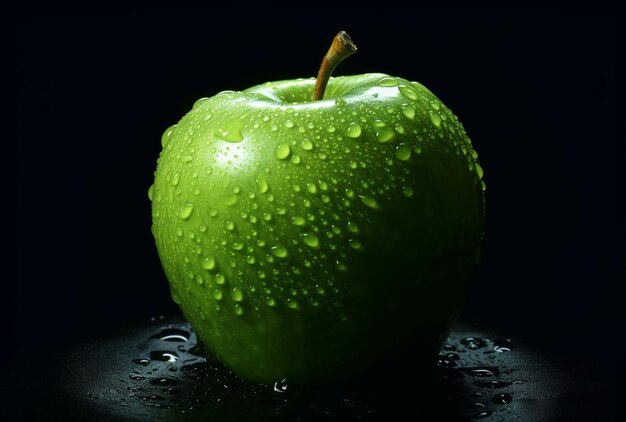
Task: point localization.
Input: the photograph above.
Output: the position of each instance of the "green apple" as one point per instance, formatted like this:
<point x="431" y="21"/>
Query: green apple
<point x="307" y="239"/>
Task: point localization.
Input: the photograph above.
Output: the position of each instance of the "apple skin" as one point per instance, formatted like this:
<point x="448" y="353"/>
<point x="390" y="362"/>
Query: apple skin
<point x="307" y="240"/>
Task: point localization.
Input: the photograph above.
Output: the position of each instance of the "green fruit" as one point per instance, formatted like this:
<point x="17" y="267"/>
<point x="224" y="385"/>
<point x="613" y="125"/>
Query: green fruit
<point x="307" y="239"/>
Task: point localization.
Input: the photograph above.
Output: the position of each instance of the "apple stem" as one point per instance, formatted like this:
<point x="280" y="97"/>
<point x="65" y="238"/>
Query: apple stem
<point x="341" y="47"/>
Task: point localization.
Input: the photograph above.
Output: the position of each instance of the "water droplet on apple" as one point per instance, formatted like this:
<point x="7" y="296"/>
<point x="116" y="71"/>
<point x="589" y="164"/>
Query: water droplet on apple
<point x="292" y="304"/>
<point x="262" y="184"/>
<point x="353" y="130"/>
<point x="435" y="105"/>
<point x="230" y="132"/>
<point x="400" y="129"/>
<point x="311" y="187"/>
<point x="279" y="251"/>
<point x="298" y="221"/>
<point x="483" y="185"/>
<point x="355" y="244"/>
<point x="282" y="151"/>
<point x="167" y="135"/>
<point x="353" y="227"/>
<point x="408" y="191"/>
<point x="417" y="149"/>
<point x="479" y="171"/>
<point x="208" y="263"/>
<point x="238" y="310"/>
<point x="311" y="239"/>
<point x="370" y="202"/>
<point x="199" y="102"/>
<point x="434" y="117"/>
<point x="217" y="294"/>
<point x="151" y="192"/>
<point x="237" y="294"/>
<point x="185" y="211"/>
<point x="270" y="301"/>
<point x="174" y="296"/>
<point x="307" y="145"/>
<point x="377" y="123"/>
<point x="408" y="111"/>
<point x="230" y="226"/>
<point x="289" y="124"/>
<point x="408" y="92"/>
<point x="388" y="81"/>
<point x="403" y="152"/>
<point x="220" y="279"/>
<point x="341" y="266"/>
<point x="385" y="134"/>
<point x="175" y="179"/>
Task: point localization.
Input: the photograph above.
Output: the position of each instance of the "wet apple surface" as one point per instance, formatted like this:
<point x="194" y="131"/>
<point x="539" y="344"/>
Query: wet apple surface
<point x="307" y="239"/>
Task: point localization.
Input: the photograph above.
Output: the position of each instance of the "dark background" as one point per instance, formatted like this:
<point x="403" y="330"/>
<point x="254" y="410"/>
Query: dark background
<point x="537" y="91"/>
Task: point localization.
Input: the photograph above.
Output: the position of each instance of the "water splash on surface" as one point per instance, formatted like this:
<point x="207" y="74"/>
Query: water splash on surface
<point x="170" y="373"/>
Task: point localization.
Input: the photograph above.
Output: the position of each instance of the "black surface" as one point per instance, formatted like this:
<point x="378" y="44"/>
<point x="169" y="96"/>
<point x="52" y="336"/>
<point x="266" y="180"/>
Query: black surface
<point x="156" y="371"/>
<point x="539" y="92"/>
